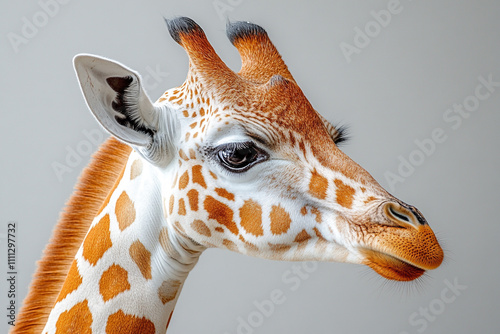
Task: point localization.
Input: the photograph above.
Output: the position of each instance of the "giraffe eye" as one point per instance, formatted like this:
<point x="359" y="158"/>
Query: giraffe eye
<point x="239" y="157"/>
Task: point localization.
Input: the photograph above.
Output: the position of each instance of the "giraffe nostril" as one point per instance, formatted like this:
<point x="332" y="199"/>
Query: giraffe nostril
<point x="398" y="215"/>
<point x="401" y="215"/>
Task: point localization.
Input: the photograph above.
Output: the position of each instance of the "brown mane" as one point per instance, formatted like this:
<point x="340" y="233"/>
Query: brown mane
<point x="95" y="182"/>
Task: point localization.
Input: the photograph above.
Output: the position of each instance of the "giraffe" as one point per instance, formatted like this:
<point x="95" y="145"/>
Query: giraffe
<point x="240" y="161"/>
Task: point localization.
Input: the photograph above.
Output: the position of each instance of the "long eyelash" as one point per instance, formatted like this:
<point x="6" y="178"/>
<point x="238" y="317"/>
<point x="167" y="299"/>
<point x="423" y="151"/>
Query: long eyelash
<point x="212" y="151"/>
<point x="234" y="145"/>
<point x="239" y="145"/>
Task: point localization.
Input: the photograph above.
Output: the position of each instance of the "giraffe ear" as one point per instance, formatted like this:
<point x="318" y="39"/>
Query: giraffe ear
<point x="116" y="98"/>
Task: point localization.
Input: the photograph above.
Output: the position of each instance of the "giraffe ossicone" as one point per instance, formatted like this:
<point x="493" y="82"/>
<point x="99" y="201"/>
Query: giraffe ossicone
<point x="240" y="161"/>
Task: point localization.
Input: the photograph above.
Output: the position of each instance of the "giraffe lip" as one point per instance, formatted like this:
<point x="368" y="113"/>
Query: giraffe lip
<point x="390" y="266"/>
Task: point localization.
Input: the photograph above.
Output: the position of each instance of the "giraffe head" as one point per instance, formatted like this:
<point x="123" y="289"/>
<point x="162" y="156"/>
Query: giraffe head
<point x="246" y="163"/>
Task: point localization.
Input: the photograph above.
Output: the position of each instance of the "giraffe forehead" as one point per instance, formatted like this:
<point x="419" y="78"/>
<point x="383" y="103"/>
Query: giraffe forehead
<point x="278" y="100"/>
<point x="286" y="123"/>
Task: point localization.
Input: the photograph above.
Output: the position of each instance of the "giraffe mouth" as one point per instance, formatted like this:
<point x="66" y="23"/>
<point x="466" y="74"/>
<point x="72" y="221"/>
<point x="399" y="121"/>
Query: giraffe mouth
<point x="391" y="267"/>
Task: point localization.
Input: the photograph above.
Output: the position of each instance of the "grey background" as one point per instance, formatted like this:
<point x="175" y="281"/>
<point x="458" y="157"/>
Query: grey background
<point x="395" y="91"/>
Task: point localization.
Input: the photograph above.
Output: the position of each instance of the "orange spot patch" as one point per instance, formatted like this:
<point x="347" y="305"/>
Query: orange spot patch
<point x="318" y="185"/>
<point x="182" y="207"/>
<point x="192" y="154"/>
<point x="251" y="248"/>
<point x="303" y="211"/>
<point x="221" y="213"/>
<point x="280" y="220"/>
<point x="142" y="258"/>
<point x="76" y="320"/>
<point x="171" y="204"/>
<point x="213" y="175"/>
<point x="370" y="199"/>
<point x="184" y="180"/>
<point x="318" y="234"/>
<point x="198" y="176"/>
<point x="230" y="245"/>
<point x="119" y="323"/>
<point x="224" y="193"/>
<point x="98" y="241"/>
<point x="344" y="193"/>
<point x="317" y="213"/>
<point x="302" y="236"/>
<point x="168" y="290"/>
<point x="136" y="169"/>
<point x="73" y="281"/>
<point x="113" y="282"/>
<point x="193" y="199"/>
<point x="124" y="211"/>
<point x="219" y="229"/>
<point x="183" y="155"/>
<point x="200" y="227"/>
<point x="251" y="217"/>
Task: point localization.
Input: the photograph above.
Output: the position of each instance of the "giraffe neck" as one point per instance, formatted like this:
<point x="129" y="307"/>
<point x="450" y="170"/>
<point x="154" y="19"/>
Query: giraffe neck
<point x="129" y="271"/>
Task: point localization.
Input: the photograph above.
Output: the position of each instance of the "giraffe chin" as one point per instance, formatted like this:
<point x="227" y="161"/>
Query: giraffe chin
<point x="391" y="267"/>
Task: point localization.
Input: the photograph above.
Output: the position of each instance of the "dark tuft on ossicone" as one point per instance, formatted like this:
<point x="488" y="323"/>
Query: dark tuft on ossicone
<point x="181" y="25"/>
<point x="241" y="30"/>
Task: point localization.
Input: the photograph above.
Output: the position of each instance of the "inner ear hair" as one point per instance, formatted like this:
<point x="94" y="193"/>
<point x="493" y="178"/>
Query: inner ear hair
<point x="126" y="104"/>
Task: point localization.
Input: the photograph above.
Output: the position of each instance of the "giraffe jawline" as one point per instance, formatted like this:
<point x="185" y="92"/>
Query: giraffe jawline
<point x="390" y="267"/>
